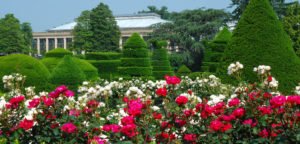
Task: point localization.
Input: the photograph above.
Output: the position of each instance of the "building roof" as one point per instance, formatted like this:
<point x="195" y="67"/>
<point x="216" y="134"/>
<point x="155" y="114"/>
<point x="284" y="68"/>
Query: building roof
<point x="123" y="21"/>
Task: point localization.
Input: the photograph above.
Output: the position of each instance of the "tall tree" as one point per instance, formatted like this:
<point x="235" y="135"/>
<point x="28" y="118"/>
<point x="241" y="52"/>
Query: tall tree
<point x="11" y="36"/>
<point x="240" y="5"/>
<point x="106" y="33"/>
<point x="27" y="34"/>
<point x="163" y="11"/>
<point x="188" y="29"/>
<point x="291" y="23"/>
<point x="82" y="32"/>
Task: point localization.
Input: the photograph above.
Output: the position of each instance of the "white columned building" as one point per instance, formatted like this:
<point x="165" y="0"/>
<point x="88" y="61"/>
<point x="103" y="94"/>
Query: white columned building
<point x="61" y="36"/>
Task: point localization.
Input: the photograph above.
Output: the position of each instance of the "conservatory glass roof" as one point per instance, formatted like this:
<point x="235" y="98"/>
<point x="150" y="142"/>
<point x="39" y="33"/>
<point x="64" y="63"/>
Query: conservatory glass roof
<point x="124" y="22"/>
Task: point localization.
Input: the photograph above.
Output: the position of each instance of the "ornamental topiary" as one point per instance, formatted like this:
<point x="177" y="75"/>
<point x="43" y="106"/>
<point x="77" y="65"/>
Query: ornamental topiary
<point x="67" y="72"/>
<point x="54" y="56"/>
<point x="160" y="61"/>
<point x="215" y="49"/>
<point x="135" y="60"/>
<point x="36" y="73"/>
<point x="259" y="39"/>
<point x="183" y="71"/>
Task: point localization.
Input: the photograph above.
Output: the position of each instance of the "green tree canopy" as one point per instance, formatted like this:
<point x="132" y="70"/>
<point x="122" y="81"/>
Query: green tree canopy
<point x="27" y="33"/>
<point x="259" y="39"/>
<point x="11" y="37"/>
<point x="106" y="33"/>
<point x="82" y="32"/>
<point x="291" y="23"/>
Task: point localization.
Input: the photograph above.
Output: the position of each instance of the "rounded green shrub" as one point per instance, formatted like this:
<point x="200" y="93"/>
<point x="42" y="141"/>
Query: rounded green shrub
<point x="58" y="52"/>
<point x="259" y="39"/>
<point x="160" y="61"/>
<point x="108" y="69"/>
<point x="67" y="72"/>
<point x="51" y="61"/>
<point x="183" y="71"/>
<point x="36" y="73"/>
<point x="135" y="61"/>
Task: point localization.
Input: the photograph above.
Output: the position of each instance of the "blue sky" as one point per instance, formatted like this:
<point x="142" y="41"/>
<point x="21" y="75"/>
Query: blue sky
<point x="46" y="14"/>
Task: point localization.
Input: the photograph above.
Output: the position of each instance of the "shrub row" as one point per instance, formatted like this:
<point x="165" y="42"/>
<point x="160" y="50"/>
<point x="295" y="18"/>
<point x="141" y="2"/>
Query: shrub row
<point x="103" y="56"/>
<point x="58" y="52"/>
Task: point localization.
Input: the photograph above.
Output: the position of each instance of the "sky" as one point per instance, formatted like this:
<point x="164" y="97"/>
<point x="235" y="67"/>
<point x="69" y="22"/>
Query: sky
<point x="46" y="14"/>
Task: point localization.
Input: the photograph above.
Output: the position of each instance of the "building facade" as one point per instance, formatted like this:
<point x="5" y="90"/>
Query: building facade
<point x="61" y="36"/>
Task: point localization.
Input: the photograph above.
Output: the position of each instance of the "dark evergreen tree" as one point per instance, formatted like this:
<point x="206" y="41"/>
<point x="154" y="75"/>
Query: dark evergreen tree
<point x="259" y="39"/>
<point x="214" y="50"/>
<point x="135" y="60"/>
<point x="11" y="36"/>
<point x="105" y="31"/>
<point x="82" y="32"/>
<point x="160" y="60"/>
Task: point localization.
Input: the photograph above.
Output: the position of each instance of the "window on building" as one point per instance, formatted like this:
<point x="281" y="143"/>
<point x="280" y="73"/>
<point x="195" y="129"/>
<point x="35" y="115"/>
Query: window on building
<point x="69" y="42"/>
<point x="51" y="43"/>
<point x="42" y="46"/>
<point x="60" y="43"/>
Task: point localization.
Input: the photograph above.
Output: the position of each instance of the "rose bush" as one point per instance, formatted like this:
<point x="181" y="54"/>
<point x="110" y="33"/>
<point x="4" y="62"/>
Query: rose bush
<point x="170" y="111"/>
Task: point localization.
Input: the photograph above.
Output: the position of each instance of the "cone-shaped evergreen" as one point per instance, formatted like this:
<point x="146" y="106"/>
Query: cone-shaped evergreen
<point x="215" y="49"/>
<point x="160" y="62"/>
<point x="135" y="60"/>
<point x="259" y="39"/>
<point x="183" y="71"/>
<point x="67" y="73"/>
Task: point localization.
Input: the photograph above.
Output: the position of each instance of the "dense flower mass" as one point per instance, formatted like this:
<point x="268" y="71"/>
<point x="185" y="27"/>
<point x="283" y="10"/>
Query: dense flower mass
<point x="166" y="111"/>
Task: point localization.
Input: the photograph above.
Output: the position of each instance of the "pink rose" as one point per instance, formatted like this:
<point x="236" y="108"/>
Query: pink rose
<point x="172" y="80"/>
<point x="68" y="128"/>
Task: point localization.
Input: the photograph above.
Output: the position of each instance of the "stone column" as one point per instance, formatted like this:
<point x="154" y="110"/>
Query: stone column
<point x="65" y="43"/>
<point x="47" y="44"/>
<point x="55" y="42"/>
<point x="38" y="46"/>
<point x="120" y="43"/>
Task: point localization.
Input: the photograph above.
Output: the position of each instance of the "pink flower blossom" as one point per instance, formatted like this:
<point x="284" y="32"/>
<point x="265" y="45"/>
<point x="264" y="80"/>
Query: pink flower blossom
<point x="26" y="124"/>
<point x="234" y="102"/>
<point x="190" y="137"/>
<point x="69" y="93"/>
<point x="34" y="103"/>
<point x="278" y="101"/>
<point x="172" y="80"/>
<point x="264" y="133"/>
<point x="181" y="100"/>
<point x="265" y="110"/>
<point x="68" y="128"/>
<point x="239" y="112"/>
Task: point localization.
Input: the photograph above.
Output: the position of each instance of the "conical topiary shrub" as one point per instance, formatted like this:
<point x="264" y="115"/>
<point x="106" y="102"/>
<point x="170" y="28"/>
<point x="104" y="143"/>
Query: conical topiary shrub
<point x="259" y="39"/>
<point x="215" y="49"/>
<point x="160" y="61"/>
<point x="135" y="60"/>
<point x="67" y="73"/>
<point x="183" y="71"/>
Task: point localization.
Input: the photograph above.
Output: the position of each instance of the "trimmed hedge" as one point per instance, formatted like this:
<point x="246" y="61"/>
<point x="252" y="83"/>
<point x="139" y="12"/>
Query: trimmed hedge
<point x="215" y="49"/>
<point x="108" y="69"/>
<point x="50" y="62"/>
<point x="259" y="39"/>
<point x="67" y="72"/>
<point x="183" y="71"/>
<point x="58" y="52"/>
<point x="103" y="56"/>
<point x="160" y="61"/>
<point x="136" y="60"/>
<point x="36" y="73"/>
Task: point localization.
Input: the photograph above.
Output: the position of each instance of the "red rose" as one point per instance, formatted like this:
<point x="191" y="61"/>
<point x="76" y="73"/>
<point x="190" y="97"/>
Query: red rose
<point x="157" y="116"/>
<point x="234" y="102"/>
<point x="54" y="94"/>
<point x="162" y="92"/>
<point x="249" y="122"/>
<point x="216" y="125"/>
<point x="267" y="95"/>
<point x="61" y="89"/>
<point x="226" y="127"/>
<point x="181" y="100"/>
<point x="265" y="110"/>
<point x="190" y="137"/>
<point x="34" y="103"/>
<point x="188" y="113"/>
<point x="264" y="133"/>
<point x="129" y="130"/>
<point x="127" y="120"/>
<point x="26" y="124"/>
<point x="48" y="101"/>
<point x="278" y="101"/>
<point x="68" y="128"/>
<point x="69" y="93"/>
<point x="239" y="112"/>
<point x="172" y="80"/>
<point x="180" y="122"/>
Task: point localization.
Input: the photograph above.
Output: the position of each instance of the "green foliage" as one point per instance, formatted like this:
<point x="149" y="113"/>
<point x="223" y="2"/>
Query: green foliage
<point x="183" y="71"/>
<point x="200" y="75"/>
<point x="137" y="64"/>
<point x="104" y="28"/>
<point x="27" y="34"/>
<point x="160" y="61"/>
<point x="36" y="73"/>
<point x="163" y="11"/>
<point x="292" y="26"/>
<point x="135" y="42"/>
<point x="58" y="52"/>
<point x="214" y="50"/>
<point x="103" y="56"/>
<point x="55" y="56"/>
<point x="259" y="39"/>
<point x="11" y="36"/>
<point x="107" y="69"/>
<point x="187" y="31"/>
<point x="67" y="72"/>
<point x="82" y="32"/>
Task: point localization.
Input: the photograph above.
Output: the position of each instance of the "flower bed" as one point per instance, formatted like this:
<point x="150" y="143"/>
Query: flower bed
<point x="173" y="110"/>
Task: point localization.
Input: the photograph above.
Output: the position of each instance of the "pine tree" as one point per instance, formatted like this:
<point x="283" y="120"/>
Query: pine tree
<point x="135" y="60"/>
<point x="259" y="39"/>
<point x="106" y="34"/>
